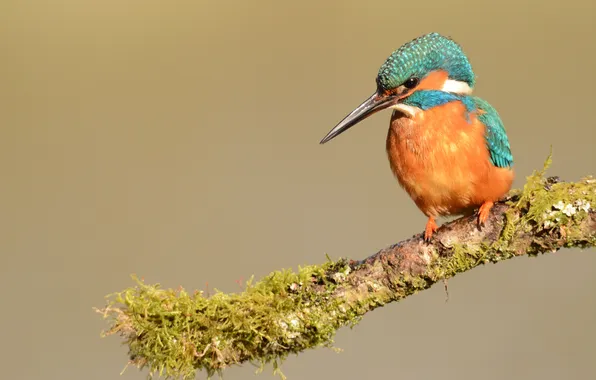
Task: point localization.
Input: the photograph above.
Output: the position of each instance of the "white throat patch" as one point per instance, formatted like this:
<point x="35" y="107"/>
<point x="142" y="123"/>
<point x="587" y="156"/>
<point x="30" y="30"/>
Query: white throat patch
<point x="409" y="111"/>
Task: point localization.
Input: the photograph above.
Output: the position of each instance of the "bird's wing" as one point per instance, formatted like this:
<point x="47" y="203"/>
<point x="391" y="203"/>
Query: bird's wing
<point x="495" y="137"/>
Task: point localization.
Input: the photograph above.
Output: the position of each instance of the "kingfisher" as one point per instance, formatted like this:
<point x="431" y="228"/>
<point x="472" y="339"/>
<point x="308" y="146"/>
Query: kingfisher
<point x="447" y="148"/>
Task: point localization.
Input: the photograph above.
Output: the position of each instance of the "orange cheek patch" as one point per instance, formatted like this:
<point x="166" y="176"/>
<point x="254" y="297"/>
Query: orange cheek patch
<point x="433" y="81"/>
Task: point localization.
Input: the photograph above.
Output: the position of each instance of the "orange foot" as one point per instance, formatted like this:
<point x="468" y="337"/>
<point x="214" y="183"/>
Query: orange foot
<point x="431" y="227"/>
<point x="484" y="212"/>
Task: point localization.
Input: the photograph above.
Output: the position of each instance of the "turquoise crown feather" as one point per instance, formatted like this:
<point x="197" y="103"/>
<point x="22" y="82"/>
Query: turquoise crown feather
<point x="421" y="56"/>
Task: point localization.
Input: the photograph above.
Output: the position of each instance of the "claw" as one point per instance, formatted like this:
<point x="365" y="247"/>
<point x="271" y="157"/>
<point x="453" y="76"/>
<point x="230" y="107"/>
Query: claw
<point x="431" y="227"/>
<point x="484" y="212"/>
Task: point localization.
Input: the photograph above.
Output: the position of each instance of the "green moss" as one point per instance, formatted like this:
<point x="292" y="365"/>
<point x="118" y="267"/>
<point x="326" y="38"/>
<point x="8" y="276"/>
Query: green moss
<point x="548" y="204"/>
<point x="175" y="333"/>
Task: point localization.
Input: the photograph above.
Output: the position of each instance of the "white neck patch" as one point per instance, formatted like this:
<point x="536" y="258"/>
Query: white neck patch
<point x="456" y="87"/>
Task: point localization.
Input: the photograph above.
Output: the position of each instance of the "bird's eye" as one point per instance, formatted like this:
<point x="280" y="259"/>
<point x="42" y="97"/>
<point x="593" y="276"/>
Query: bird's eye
<point x="411" y="82"/>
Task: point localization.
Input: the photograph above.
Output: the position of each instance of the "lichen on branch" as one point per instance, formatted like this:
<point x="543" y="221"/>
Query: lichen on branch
<point x="175" y="333"/>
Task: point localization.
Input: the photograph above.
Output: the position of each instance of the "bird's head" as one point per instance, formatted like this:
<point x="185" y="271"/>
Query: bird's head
<point x="430" y="62"/>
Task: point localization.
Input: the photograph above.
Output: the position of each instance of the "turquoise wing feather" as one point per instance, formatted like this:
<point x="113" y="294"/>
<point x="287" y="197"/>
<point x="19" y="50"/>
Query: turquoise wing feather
<point x="496" y="137"/>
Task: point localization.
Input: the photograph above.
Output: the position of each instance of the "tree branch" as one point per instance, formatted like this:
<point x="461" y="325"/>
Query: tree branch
<point x="175" y="333"/>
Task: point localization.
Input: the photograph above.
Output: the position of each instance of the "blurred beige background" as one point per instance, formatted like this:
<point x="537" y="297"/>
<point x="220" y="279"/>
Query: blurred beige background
<point x="179" y="141"/>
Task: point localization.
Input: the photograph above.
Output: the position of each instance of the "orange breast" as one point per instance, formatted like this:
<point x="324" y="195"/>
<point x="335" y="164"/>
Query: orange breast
<point x="442" y="161"/>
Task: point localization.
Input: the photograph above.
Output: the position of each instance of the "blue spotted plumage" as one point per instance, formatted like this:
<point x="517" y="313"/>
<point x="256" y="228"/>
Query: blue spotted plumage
<point x="422" y="56"/>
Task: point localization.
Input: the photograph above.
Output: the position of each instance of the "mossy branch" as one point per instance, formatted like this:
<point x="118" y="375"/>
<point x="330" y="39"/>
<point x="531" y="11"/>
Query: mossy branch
<point x="174" y="333"/>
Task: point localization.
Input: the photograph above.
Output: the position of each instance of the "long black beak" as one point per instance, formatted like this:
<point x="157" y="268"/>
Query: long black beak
<point x="371" y="105"/>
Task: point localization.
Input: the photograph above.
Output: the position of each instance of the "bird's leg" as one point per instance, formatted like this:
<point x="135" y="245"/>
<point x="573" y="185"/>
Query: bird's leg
<point x="431" y="227"/>
<point x="484" y="212"/>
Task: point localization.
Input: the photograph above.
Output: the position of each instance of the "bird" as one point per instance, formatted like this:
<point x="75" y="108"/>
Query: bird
<point x="447" y="148"/>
